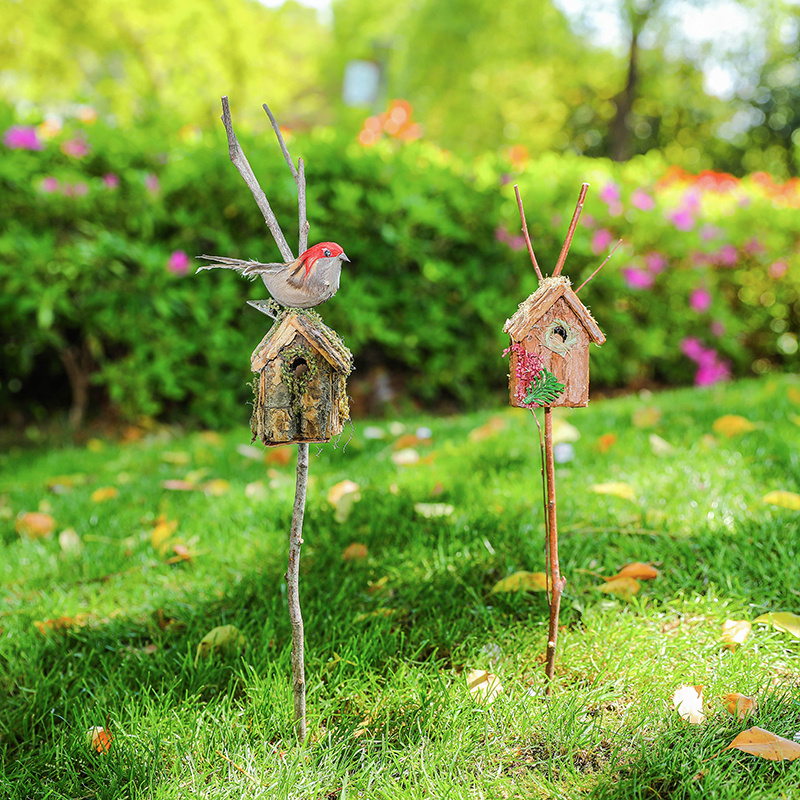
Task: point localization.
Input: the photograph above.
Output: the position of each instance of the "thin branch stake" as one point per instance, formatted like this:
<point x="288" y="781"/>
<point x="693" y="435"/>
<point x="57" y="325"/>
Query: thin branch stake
<point x="527" y="240"/>
<point x="614" y="250"/>
<point x="571" y="232"/>
<point x="301" y="205"/>
<point x="281" y="142"/>
<point x="241" y="163"/>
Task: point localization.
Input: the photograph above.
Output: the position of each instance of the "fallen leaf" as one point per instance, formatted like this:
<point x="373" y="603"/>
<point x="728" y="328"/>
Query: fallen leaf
<point x="280" y="456"/>
<point x="783" y="621"/>
<point x="61" y="484"/>
<point x="563" y="431"/>
<point x="355" y="552"/>
<point x="373" y="432"/>
<point x="740" y="705"/>
<point x="255" y="491"/>
<point x="732" y="425"/>
<point x="224" y="639"/>
<point x="431" y="510"/>
<point x="34" y="524"/>
<point x="623" y="587"/>
<point x="618" y="489"/>
<point x="60" y="623"/>
<point x="646" y="416"/>
<point x="404" y="458"/>
<point x="99" y="739"/>
<point x="606" y="442"/>
<point x="758" y="742"/>
<point x="793" y="393"/>
<point x="783" y="499"/>
<point x="104" y="493"/>
<point x="217" y="487"/>
<point x="643" y="572"/>
<point x="161" y="533"/>
<point x="735" y="631"/>
<point x="69" y="541"/>
<point x="343" y="496"/>
<point x="248" y="451"/>
<point x="483" y="686"/>
<point x="196" y="475"/>
<point x="95" y="445"/>
<point x="178" y="457"/>
<point x="487" y="430"/>
<point x="688" y="702"/>
<point x="178" y="486"/>
<point x="181" y="554"/>
<point x="522" y="582"/>
<point x="211" y="437"/>
<point x="407" y="440"/>
<point x="659" y="446"/>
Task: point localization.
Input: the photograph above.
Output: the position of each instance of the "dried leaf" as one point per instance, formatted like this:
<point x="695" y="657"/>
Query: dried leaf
<point x="217" y="487"/>
<point x="379" y="586"/>
<point x="343" y="496"/>
<point x="355" y="552"/>
<point x="688" y="702"/>
<point x="95" y="446"/>
<point x="606" y="442"/>
<point x="659" y="446"/>
<point x="373" y="432"/>
<point x="784" y="499"/>
<point x="643" y="572"/>
<point x="181" y="554"/>
<point x="178" y="457"/>
<point x="211" y="437"/>
<point x="488" y="429"/>
<point x="99" y="739"/>
<point x="431" y="510"/>
<point x="69" y="541"/>
<point x="35" y="524"/>
<point x="646" y="416"/>
<point x="740" y="705"/>
<point x="60" y="623"/>
<point x="618" y="489"/>
<point x="280" y="456"/>
<point x="764" y="744"/>
<point x="61" y="484"/>
<point x="404" y="458"/>
<point x="178" y="485"/>
<point x="783" y="621"/>
<point x="255" y="491"/>
<point x="735" y="631"/>
<point x="522" y="582"/>
<point x="161" y="533"/>
<point x="793" y="393"/>
<point x="732" y="425"/>
<point x="104" y="493"/>
<point x="407" y="440"/>
<point x="196" y="475"/>
<point x="224" y="639"/>
<point x="483" y="686"/>
<point x="623" y="587"/>
<point x="563" y="431"/>
<point x="248" y="451"/>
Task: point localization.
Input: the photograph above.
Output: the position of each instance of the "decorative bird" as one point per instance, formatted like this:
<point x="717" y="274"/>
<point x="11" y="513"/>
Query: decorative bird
<point x="309" y="280"/>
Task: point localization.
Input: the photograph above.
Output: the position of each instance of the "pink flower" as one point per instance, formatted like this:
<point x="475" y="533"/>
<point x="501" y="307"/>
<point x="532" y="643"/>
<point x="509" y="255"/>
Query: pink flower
<point x="777" y="269"/>
<point x="693" y="348"/>
<point x="609" y="193"/>
<point x="110" y="180"/>
<point x="637" y="278"/>
<point x="22" y="137"/>
<point x="588" y="221"/>
<point x="682" y="219"/>
<point x="691" y="200"/>
<point x="151" y="183"/>
<point x="49" y="185"/>
<point x="700" y="300"/>
<point x="709" y="232"/>
<point x="727" y="255"/>
<point x="655" y="262"/>
<point x="178" y="263"/>
<point x="601" y="240"/>
<point x="717" y="328"/>
<point x="710" y="367"/>
<point x="80" y="189"/>
<point x="642" y="200"/>
<point x="75" y="148"/>
<point x="753" y="246"/>
<point x="527" y="369"/>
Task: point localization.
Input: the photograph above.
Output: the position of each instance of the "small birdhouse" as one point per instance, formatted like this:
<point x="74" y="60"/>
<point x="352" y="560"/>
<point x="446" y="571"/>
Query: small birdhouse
<point x="550" y="336"/>
<point x="300" y="390"/>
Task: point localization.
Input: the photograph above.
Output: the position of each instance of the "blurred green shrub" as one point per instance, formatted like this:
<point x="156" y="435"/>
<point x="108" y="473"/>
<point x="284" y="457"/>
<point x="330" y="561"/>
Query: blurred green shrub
<point x="98" y="302"/>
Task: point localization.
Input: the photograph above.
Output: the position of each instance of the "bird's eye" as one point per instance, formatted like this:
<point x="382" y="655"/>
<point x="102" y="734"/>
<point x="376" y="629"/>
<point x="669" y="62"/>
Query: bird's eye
<point x="327" y="252"/>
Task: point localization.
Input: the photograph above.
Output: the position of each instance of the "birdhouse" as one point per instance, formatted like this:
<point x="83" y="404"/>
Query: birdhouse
<point x="300" y="389"/>
<point x="550" y="336"/>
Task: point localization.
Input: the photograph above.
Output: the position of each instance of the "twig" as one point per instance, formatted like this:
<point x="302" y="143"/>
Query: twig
<point x="246" y="774"/>
<point x="544" y="505"/>
<point x="281" y="142"/>
<point x="571" y="232"/>
<point x="527" y="238"/>
<point x="241" y="163"/>
<point x="614" y="250"/>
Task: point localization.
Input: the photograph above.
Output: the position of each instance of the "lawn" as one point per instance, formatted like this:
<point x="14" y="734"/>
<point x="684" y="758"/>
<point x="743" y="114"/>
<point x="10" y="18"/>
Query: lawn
<point x="146" y="544"/>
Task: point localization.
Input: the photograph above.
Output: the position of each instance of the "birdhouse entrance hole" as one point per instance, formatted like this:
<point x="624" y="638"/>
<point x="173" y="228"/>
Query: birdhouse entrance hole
<point x="559" y="337"/>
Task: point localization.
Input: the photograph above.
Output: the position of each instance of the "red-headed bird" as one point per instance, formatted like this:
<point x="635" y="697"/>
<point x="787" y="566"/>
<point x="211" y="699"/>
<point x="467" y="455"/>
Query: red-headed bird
<point x="309" y="280"/>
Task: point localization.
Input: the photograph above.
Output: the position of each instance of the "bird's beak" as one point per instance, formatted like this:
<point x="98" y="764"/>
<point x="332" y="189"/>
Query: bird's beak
<point x="343" y="257"/>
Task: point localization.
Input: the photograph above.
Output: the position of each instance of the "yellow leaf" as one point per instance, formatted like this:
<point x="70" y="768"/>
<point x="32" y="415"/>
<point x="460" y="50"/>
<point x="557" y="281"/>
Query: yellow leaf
<point x="69" y="541"/>
<point x="104" y="493"/>
<point x="659" y="446"/>
<point x="688" y="702"/>
<point x="95" y="445"/>
<point x="181" y="554"/>
<point x="618" y="489"/>
<point x="343" y="496"/>
<point x="35" y="524"/>
<point x="224" y="639"/>
<point x="483" y="686"/>
<point x="522" y="582"/>
<point x="354" y="552"/>
<point x="735" y="631"/>
<point x="405" y="457"/>
<point x="178" y="485"/>
<point x="783" y="499"/>
<point x="379" y="586"/>
<point x="430" y="510"/>
<point x="179" y="458"/>
<point x="732" y="425"/>
<point x="563" y="431"/>
<point x="195" y="475"/>
<point x="764" y="744"/>
<point x="60" y="623"/>
<point x="793" y="393"/>
<point x="606" y="442"/>
<point x="280" y="456"/>
<point x="646" y="416"/>
<point x="487" y="430"/>
<point x="783" y="621"/>
<point x="217" y="487"/>
<point x="162" y="531"/>
<point x="211" y="437"/>
<point x="623" y="587"/>
<point x="99" y="739"/>
<point x="644" y="572"/>
<point x="740" y="705"/>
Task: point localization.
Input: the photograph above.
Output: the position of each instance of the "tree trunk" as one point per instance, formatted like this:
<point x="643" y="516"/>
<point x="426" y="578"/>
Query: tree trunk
<point x="620" y="132"/>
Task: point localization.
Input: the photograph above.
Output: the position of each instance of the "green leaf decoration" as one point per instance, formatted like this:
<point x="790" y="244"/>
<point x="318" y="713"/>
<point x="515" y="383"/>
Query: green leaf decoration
<point x="544" y="389"/>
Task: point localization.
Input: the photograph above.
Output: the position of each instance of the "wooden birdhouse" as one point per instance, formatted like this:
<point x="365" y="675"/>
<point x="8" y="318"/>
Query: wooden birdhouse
<point x="300" y="390"/>
<point x="551" y="333"/>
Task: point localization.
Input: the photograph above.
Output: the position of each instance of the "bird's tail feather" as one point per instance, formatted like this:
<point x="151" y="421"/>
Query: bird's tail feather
<point x="249" y="269"/>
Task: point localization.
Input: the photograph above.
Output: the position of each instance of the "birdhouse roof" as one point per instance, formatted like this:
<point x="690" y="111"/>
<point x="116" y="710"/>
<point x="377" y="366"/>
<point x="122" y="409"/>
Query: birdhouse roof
<point x="542" y="300"/>
<point x="319" y="336"/>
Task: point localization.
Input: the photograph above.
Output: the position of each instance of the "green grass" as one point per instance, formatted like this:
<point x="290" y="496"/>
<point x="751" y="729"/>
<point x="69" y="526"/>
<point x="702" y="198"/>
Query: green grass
<point x="390" y="637"/>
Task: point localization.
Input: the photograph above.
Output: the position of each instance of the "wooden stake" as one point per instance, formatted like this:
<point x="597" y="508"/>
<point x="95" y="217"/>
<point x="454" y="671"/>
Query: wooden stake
<point x="571" y="232"/>
<point x="554" y="578"/>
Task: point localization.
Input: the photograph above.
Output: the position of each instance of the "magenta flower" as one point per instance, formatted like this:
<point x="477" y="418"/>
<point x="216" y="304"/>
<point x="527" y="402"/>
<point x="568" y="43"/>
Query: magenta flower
<point x="22" y="137"/>
<point x="588" y="221"/>
<point x="709" y="232"/>
<point x="609" y="193"/>
<point x="80" y="189"/>
<point x="700" y="300"/>
<point x="151" y="183"/>
<point x="693" y="348"/>
<point x="601" y="239"/>
<point x="717" y="328"/>
<point x="527" y="369"/>
<point x="753" y="246"/>
<point x="710" y="367"/>
<point x="682" y="219"/>
<point x="642" y="200"/>
<point x="637" y="278"/>
<point x="110" y="180"/>
<point x="691" y="200"/>
<point x="777" y="269"/>
<point x="75" y="148"/>
<point x="49" y="185"/>
<point x="178" y="263"/>
<point x="727" y="255"/>
<point x="655" y="262"/>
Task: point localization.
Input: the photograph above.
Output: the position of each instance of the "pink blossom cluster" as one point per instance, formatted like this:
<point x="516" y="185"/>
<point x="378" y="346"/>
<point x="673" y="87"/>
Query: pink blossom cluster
<point x="51" y="185"/>
<point x="638" y="278"/>
<point x="514" y="242"/>
<point x="178" y="263"/>
<point x="710" y="367"/>
<point x="22" y="137"/>
<point x="526" y="371"/>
